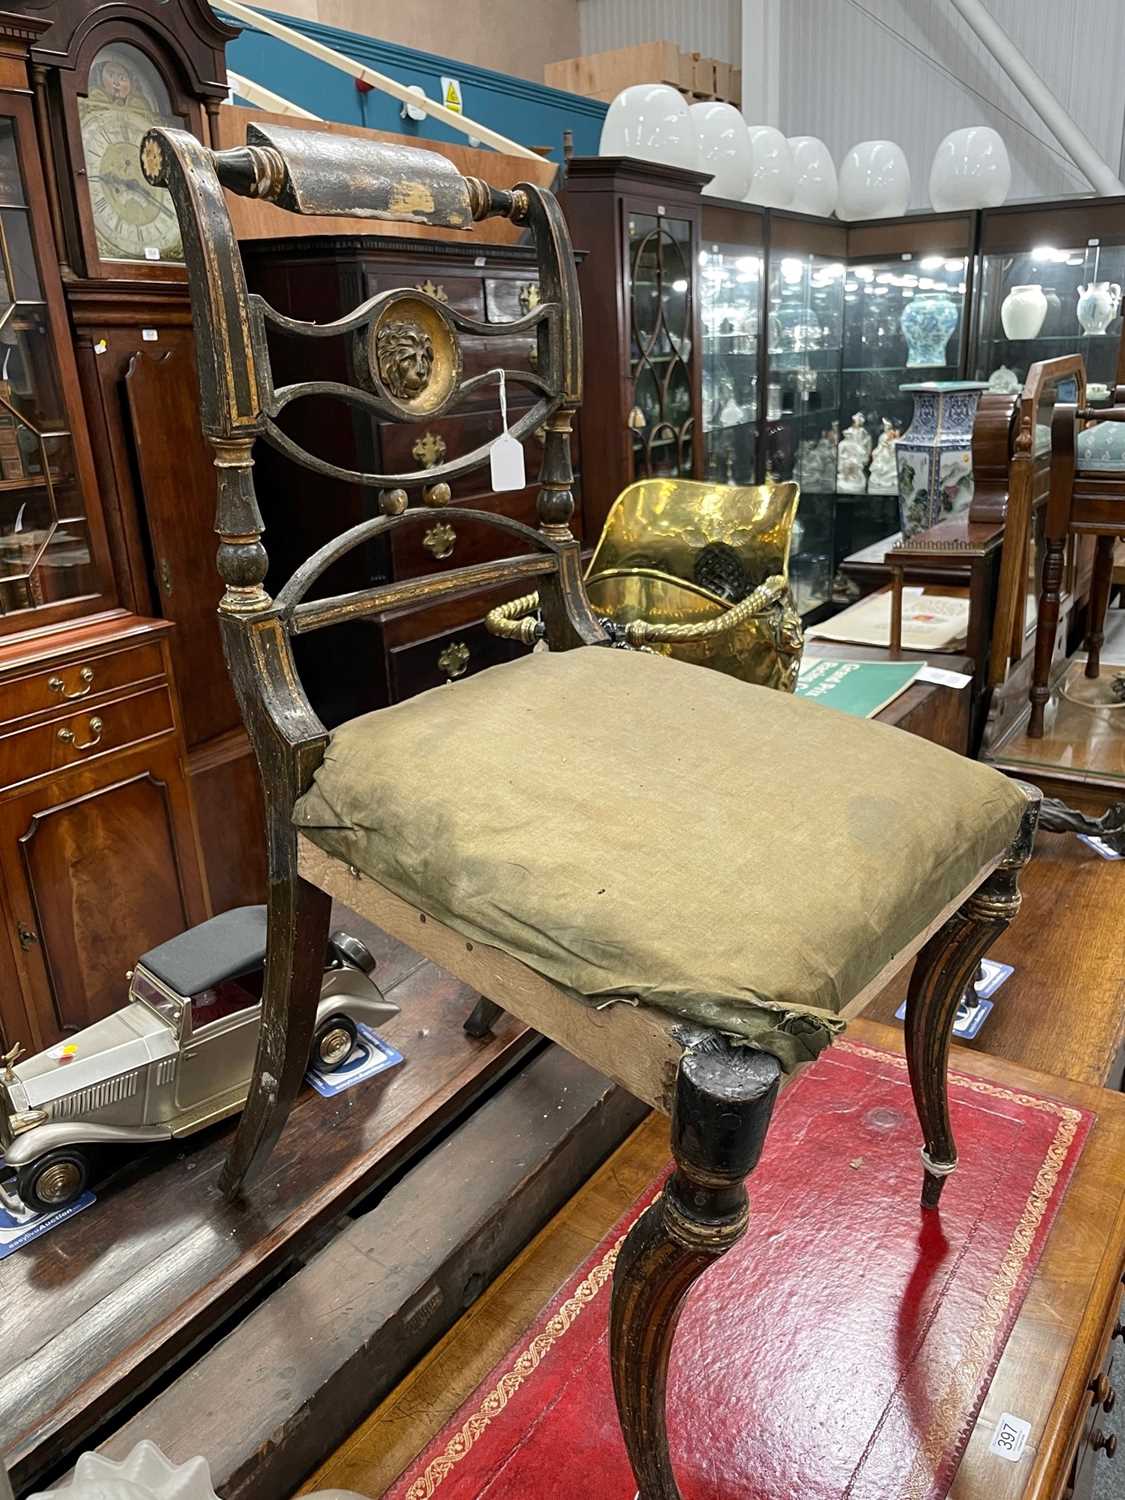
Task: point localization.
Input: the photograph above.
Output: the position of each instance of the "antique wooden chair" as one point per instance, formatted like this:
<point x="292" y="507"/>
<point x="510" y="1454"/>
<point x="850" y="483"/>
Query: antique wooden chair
<point x="1083" y="502"/>
<point x="686" y="880"/>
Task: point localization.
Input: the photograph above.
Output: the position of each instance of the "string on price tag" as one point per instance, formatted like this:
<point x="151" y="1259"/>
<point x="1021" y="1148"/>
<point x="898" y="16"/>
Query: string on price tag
<point x="507" y="454"/>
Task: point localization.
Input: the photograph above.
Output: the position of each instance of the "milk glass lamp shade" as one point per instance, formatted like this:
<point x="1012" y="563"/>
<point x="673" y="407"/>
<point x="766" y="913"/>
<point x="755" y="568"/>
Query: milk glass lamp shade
<point x="651" y="121"/>
<point x="815" y="185"/>
<point x="874" y="182"/>
<point x="772" y="178"/>
<point x="724" y="148"/>
<point x="970" y="170"/>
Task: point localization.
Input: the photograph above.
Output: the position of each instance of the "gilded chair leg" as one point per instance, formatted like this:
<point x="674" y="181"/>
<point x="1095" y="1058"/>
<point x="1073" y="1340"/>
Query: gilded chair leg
<point x="724" y="1099"/>
<point x="483" y="1018"/>
<point x="944" y="967"/>
<point x="297" y="940"/>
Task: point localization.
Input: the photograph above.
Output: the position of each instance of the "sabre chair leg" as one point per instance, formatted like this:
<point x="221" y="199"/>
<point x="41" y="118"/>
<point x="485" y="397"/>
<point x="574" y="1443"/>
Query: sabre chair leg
<point x="483" y="1018"/>
<point x="724" y="1099"/>
<point x="297" y="937"/>
<point x="944" y="967"/>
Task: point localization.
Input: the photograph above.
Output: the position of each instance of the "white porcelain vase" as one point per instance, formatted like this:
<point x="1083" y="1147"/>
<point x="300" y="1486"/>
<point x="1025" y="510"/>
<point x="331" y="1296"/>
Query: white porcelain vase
<point x="1098" y="305"/>
<point x="724" y="148"/>
<point x="874" y="182"/>
<point x="772" y="178"/>
<point x="970" y="170"/>
<point x="653" y="122"/>
<point x="815" y="186"/>
<point x="1023" y="310"/>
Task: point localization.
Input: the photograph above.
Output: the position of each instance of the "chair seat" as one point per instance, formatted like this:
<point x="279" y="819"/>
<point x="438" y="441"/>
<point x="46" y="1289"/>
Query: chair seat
<point x="630" y="826"/>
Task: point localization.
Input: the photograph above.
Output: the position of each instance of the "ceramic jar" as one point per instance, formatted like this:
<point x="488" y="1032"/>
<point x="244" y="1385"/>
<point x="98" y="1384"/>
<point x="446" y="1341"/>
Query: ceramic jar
<point x="724" y="148"/>
<point x="1023" y="310"/>
<point x="651" y="121"/>
<point x="934" y="455"/>
<point x="1098" y="305"/>
<point x="815" y="176"/>
<point x="970" y="170"/>
<point x="874" y="182"/>
<point x="927" y="322"/>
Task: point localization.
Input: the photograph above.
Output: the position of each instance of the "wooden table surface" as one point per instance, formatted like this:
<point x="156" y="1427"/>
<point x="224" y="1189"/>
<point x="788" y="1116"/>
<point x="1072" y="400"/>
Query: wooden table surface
<point x="1042" y="1374"/>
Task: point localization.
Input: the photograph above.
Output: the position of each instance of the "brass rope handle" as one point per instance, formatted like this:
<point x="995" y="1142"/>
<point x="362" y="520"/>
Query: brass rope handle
<point x="641" y="632"/>
<point x="57" y="685"/>
<point x="514" y="621"/>
<point x="96" y="726"/>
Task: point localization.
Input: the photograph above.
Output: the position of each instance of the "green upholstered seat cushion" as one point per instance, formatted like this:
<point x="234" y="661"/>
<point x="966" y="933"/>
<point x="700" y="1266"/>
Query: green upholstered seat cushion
<point x="632" y="826"/>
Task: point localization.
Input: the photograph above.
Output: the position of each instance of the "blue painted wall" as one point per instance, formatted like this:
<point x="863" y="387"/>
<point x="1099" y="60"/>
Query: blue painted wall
<point x="529" y="113"/>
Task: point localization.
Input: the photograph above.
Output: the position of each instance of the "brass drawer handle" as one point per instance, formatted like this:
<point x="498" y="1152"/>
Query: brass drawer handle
<point x="1104" y="1442"/>
<point x="440" y="540"/>
<point x="454" y="660"/>
<point x="57" y="685"/>
<point x="430" y="449"/>
<point x="437" y="494"/>
<point x="96" y="726"/>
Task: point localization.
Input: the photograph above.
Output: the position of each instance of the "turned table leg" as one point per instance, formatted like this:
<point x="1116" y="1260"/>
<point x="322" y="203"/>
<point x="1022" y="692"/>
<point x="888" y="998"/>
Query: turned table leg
<point x="1050" y="602"/>
<point x="1101" y="585"/>
<point x="724" y="1099"/>
<point x="943" y="968"/>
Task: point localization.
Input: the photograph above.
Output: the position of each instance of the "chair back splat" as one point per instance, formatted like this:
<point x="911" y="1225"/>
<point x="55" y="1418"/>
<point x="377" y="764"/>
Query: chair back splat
<point x="406" y="363"/>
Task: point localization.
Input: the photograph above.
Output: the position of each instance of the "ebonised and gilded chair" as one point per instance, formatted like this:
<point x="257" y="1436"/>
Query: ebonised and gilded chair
<point x="688" y="881"/>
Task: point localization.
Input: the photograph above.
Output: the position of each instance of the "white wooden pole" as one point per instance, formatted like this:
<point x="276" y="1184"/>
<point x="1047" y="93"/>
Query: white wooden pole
<point x="251" y="17"/>
<point x="1061" y="125"/>
<point x="265" y="99"/>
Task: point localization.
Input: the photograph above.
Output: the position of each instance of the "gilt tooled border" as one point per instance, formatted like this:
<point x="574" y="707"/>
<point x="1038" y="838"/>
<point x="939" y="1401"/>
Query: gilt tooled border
<point x="950" y="1406"/>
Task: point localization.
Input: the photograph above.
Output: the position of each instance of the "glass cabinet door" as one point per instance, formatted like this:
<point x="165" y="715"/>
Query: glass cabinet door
<point x="904" y="321"/>
<point x="802" y="414"/>
<point x="46" y="555"/>
<point x="660" y="348"/>
<point x="1046" y="301"/>
<point x="730" y="292"/>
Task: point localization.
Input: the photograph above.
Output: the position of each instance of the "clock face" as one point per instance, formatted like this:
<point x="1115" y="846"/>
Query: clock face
<point x="127" y="96"/>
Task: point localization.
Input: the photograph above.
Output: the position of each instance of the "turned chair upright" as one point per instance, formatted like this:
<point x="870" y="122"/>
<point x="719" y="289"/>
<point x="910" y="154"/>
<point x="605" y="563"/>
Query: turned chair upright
<point x="956" y="832"/>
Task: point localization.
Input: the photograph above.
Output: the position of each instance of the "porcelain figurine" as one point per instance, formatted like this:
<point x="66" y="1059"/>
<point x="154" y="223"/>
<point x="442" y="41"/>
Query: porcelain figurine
<point x="874" y="182"/>
<point x="970" y="170"/>
<point x="653" y="122"/>
<point x="883" y="476"/>
<point x="1004" y="382"/>
<point x="934" y="455"/>
<point x="772" y="177"/>
<point x="724" y="148"/>
<point x="851" y="458"/>
<point x="1098" y="305"/>
<point x="815" y="186"/>
<point x="927" y="322"/>
<point x="1023" y="310"/>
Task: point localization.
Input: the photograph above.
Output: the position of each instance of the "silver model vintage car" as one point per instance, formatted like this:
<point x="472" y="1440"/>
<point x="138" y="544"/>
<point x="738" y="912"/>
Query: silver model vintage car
<point x="177" y="1057"/>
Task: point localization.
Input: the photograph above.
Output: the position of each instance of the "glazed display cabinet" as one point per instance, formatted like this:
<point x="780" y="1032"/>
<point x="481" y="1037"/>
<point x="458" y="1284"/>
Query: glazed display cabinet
<point x="1051" y="276"/>
<point x="731" y="290"/>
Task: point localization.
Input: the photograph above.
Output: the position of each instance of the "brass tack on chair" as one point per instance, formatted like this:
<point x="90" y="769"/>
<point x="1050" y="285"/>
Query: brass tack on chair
<point x="393" y="502"/>
<point x="437" y="494"/>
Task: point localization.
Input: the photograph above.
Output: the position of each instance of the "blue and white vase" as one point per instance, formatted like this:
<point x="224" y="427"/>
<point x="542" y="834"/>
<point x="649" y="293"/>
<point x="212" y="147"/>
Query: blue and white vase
<point x="934" y="455"/>
<point x="927" y="321"/>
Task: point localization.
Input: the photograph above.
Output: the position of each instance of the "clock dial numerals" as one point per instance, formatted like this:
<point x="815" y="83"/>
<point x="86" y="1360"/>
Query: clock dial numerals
<point x="133" y="220"/>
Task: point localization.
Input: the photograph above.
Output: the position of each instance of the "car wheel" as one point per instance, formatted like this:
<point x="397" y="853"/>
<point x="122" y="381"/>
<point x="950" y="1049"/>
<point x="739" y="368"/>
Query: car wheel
<point x="56" y="1180"/>
<point x="333" y="1043"/>
<point x="345" y="949"/>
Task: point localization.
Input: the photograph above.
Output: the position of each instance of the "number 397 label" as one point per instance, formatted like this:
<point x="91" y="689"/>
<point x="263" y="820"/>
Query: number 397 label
<point x="1010" y="1437"/>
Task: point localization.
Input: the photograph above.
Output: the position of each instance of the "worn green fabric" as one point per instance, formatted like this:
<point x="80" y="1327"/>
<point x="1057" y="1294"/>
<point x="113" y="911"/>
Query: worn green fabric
<point x="632" y="827"/>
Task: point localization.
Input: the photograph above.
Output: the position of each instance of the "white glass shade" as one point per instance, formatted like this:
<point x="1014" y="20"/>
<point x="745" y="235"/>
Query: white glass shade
<point x="815" y="184"/>
<point x="651" y="121"/>
<point x="772" y="178"/>
<point x="724" y="148"/>
<point x="970" y="170"/>
<point x="874" y="182"/>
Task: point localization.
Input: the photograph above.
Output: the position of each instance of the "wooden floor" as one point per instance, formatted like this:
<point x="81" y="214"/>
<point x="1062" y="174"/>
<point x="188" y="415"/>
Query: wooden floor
<point x="1062" y="1013"/>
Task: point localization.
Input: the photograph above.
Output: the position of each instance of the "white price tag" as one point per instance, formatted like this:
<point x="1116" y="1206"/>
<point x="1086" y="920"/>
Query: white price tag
<point x="1010" y="1438"/>
<point x="943" y="678"/>
<point x="149" y="335"/>
<point x="152" y="252"/>
<point x="101" y="346"/>
<point x="507" y="455"/>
